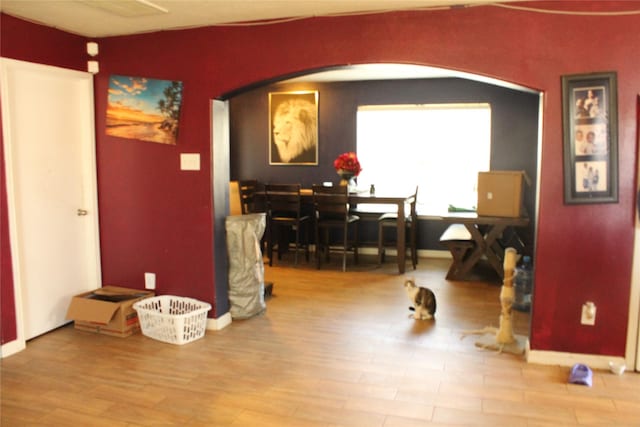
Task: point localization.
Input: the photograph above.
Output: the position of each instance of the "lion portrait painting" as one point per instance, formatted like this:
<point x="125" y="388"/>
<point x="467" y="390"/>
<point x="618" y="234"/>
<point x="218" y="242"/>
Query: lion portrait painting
<point x="294" y="128"/>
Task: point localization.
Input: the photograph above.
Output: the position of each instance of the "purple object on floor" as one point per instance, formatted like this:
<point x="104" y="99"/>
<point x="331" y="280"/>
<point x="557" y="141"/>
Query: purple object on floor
<point x="581" y="374"/>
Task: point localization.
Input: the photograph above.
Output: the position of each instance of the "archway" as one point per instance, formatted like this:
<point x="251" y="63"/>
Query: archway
<point x="247" y="157"/>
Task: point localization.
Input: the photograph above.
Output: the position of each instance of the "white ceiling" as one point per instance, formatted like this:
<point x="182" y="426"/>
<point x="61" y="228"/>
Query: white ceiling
<point x="103" y="18"/>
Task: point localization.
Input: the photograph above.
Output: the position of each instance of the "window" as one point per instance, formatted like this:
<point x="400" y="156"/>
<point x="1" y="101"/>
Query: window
<point x="440" y="147"/>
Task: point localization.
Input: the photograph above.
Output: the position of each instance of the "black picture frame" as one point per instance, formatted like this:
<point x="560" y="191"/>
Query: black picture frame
<point x="293" y="128"/>
<point x="590" y="127"/>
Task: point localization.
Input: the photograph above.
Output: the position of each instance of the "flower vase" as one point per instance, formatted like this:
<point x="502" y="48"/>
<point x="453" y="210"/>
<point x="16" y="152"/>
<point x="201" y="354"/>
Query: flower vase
<point x="346" y="178"/>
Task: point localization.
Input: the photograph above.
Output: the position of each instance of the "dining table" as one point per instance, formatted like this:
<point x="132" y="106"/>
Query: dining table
<point x="485" y="232"/>
<point x="397" y="200"/>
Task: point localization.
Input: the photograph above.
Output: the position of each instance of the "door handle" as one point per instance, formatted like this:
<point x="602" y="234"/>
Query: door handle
<point x="82" y="212"/>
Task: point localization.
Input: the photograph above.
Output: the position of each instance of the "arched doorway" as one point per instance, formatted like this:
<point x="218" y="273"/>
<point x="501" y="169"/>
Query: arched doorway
<point x="516" y="126"/>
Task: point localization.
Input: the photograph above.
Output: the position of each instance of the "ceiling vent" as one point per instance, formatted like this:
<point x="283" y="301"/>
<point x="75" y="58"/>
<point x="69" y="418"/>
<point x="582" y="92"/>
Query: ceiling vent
<point x="126" y="8"/>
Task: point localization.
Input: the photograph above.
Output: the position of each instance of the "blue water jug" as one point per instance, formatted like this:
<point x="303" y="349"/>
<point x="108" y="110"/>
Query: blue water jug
<point x="523" y="285"/>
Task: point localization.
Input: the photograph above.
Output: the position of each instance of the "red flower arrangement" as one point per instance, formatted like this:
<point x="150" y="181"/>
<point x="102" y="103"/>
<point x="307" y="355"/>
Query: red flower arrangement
<point x="347" y="162"/>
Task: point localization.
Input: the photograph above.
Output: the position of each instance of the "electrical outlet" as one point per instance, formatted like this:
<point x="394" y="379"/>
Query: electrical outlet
<point x="150" y="280"/>
<point x="588" y="314"/>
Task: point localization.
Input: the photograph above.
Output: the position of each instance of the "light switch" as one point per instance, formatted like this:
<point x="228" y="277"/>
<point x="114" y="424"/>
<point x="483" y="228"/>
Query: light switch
<point x="190" y="161"/>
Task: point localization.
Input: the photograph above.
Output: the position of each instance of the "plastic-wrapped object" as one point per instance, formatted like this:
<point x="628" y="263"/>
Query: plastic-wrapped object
<point x="523" y="285"/>
<point x="246" y="267"/>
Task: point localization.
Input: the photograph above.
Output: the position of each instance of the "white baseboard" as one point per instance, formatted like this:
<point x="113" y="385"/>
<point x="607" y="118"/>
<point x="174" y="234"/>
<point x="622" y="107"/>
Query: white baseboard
<point x="11" y="348"/>
<point x="422" y="253"/>
<point x="219" y="322"/>
<point x="432" y="253"/>
<point x="594" y="361"/>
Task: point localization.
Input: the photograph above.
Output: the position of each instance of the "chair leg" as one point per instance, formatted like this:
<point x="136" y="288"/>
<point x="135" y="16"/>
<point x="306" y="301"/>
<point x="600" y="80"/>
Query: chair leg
<point x="345" y="241"/>
<point x="270" y="244"/>
<point x="306" y="242"/>
<point x="295" y="256"/>
<point x="323" y="245"/>
<point x="327" y="251"/>
<point x="414" y="248"/>
<point x="380" y="244"/>
<point x="318" y="246"/>
<point x="283" y="240"/>
<point x="356" y="243"/>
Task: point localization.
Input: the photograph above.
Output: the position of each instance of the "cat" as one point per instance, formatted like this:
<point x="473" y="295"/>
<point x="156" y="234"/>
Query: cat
<point x="424" y="300"/>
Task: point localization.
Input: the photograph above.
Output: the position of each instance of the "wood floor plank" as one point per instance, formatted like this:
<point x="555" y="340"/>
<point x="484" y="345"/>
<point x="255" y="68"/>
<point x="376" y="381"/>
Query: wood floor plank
<point x="546" y="412"/>
<point x="65" y="418"/>
<point x="459" y="417"/>
<point x="391" y="407"/>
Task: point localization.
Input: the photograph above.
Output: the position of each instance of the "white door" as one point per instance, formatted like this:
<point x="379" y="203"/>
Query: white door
<point x="632" y="356"/>
<point x="49" y="141"/>
<point x="635" y="272"/>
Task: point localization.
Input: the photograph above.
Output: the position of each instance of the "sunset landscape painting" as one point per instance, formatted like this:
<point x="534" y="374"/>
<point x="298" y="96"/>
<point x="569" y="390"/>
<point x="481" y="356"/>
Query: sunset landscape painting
<point x="144" y="109"/>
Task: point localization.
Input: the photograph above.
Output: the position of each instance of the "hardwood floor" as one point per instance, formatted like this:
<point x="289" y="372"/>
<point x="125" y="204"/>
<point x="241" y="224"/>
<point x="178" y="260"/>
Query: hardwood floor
<point x="332" y="349"/>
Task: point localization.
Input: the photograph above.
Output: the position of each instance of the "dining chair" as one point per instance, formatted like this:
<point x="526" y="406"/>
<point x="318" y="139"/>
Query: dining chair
<point x="247" y="189"/>
<point x="284" y="213"/>
<point x="331" y="205"/>
<point x="250" y="202"/>
<point x="389" y="220"/>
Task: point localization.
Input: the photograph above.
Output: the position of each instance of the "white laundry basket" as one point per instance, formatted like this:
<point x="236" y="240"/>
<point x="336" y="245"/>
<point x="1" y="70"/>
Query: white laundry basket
<point x="172" y="319"/>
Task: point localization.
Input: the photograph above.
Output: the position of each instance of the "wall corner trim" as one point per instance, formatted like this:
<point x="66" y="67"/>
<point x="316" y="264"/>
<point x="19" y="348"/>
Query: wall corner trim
<point x="11" y="348"/>
<point x="594" y="361"/>
<point x="219" y="322"/>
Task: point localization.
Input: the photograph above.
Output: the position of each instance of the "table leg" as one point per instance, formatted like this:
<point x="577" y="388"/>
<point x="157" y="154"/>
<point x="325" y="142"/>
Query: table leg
<point x="494" y="258"/>
<point x="476" y="254"/>
<point x="484" y="246"/>
<point x="401" y="237"/>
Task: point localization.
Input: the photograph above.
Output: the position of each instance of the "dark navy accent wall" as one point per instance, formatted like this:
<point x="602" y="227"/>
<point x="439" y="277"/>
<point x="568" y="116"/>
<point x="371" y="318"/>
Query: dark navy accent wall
<point x="514" y="131"/>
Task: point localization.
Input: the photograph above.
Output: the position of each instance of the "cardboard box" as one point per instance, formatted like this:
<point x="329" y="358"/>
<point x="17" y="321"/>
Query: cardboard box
<point x="107" y="310"/>
<point x="500" y="193"/>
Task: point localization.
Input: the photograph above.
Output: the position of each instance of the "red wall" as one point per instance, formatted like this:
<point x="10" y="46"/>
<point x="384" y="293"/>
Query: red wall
<point x="154" y="217"/>
<point x="157" y="218"/>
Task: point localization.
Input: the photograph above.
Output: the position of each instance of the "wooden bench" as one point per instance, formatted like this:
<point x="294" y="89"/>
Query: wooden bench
<point x="460" y="243"/>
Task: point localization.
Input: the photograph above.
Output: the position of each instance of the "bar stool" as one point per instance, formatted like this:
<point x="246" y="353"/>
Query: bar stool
<point x="390" y="221"/>
<point x="284" y="212"/>
<point x="247" y="189"/>
<point x="331" y="205"/>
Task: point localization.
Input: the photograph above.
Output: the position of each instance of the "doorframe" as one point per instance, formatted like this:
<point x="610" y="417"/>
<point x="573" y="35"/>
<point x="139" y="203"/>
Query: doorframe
<point x="632" y="355"/>
<point x="219" y="116"/>
<point x="89" y="168"/>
